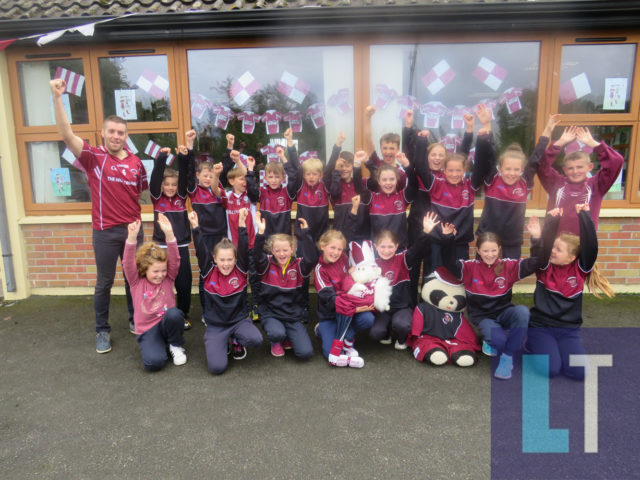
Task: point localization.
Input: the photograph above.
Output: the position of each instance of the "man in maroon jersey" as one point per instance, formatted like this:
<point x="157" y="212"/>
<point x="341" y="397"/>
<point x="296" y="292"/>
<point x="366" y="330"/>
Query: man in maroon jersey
<point x="116" y="178"/>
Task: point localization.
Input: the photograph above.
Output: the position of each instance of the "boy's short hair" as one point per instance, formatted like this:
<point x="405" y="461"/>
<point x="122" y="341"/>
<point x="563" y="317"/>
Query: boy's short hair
<point x="274" y="167"/>
<point x="390" y="138"/>
<point x="312" y="165"/>
<point x="205" y="166"/>
<point x="347" y="157"/>
<point x="170" y="173"/>
<point x="577" y="155"/>
<point x="236" y="172"/>
<point x="456" y="157"/>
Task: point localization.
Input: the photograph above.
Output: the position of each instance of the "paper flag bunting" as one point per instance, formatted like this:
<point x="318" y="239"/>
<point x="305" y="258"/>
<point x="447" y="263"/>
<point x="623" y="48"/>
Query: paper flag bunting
<point x="432" y="112"/>
<point x="511" y="97"/>
<point x="75" y="81"/>
<point x="457" y="115"/>
<point x="316" y="114"/>
<point x="152" y="149"/>
<point x="294" y="118"/>
<point x="576" y="146"/>
<point x="270" y="152"/>
<point x="131" y="146"/>
<point x="292" y="87"/>
<point x="199" y="105"/>
<point x="306" y="155"/>
<point x="271" y="120"/>
<point x="384" y="95"/>
<point x="436" y="78"/>
<point x="340" y="100"/>
<point x="263" y="183"/>
<point x="153" y="84"/>
<point x="249" y="120"/>
<point x="451" y="142"/>
<point x="244" y="159"/>
<point x="575" y="88"/>
<point x="243" y="89"/>
<point x="223" y="116"/>
<point x="490" y="73"/>
<point x="407" y="102"/>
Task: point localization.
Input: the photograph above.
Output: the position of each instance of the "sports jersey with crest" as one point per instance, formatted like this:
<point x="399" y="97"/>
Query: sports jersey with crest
<point x="236" y="201"/>
<point x="328" y="279"/>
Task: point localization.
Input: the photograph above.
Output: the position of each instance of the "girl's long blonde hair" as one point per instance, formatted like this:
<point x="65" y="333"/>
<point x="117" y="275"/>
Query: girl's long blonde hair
<point x="596" y="282"/>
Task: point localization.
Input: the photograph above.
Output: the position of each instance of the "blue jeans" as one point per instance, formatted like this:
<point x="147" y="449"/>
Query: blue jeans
<point x="514" y="318"/>
<point x="276" y="331"/>
<point x="327" y="329"/>
<point x="153" y="342"/>
<point x="216" y="342"/>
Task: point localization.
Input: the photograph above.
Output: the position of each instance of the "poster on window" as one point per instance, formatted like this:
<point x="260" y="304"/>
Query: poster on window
<point x="126" y="104"/>
<point x="61" y="181"/>
<point x="615" y="94"/>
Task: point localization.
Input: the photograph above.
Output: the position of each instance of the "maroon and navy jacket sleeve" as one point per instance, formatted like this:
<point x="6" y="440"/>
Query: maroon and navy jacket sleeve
<point x="449" y="261"/>
<point x="411" y="184"/>
<point x="155" y="184"/>
<point x="306" y="249"/>
<point x="191" y="169"/>
<point x="611" y="163"/>
<point x="331" y="166"/>
<point x="534" y="161"/>
<point x="253" y="191"/>
<point x="549" y="177"/>
<point x="485" y="160"/>
<point x="183" y="176"/>
<point x="467" y="141"/>
<point x="421" y="163"/>
<point x="242" y="258"/>
<point x="260" y="257"/>
<point x="588" y="242"/>
<point x="205" y="262"/>
<point x="541" y="248"/>
<point x="293" y="169"/>
<point x="408" y="143"/>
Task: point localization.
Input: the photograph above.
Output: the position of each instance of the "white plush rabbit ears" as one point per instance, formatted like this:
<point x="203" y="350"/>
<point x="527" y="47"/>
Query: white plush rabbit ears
<point x="361" y="254"/>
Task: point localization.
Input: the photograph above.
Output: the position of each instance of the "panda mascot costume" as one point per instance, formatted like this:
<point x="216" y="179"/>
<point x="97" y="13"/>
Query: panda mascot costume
<point x="439" y="331"/>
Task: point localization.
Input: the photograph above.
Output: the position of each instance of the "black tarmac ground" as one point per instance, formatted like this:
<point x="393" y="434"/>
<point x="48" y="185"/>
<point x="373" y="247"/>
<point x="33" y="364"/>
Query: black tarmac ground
<point x="67" y="412"/>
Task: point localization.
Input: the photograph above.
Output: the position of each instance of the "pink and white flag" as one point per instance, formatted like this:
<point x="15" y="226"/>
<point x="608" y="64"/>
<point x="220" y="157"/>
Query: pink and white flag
<point x="271" y="120"/>
<point x="457" y="115"/>
<point x="292" y="87"/>
<point x="263" y="182"/>
<point x="511" y="97"/>
<point x="244" y="159"/>
<point x="451" y="142"/>
<point x="199" y="105"/>
<point x="490" y="103"/>
<point x="74" y="81"/>
<point x="306" y="155"/>
<point x="223" y="116"/>
<point x="438" y="77"/>
<point x="316" y="114"/>
<point x="153" y="84"/>
<point x="243" y="89"/>
<point x="578" y="146"/>
<point x="490" y="73"/>
<point x="407" y="102"/>
<point x="132" y="147"/>
<point x="152" y="149"/>
<point x="575" y="88"/>
<point x="432" y="112"/>
<point x="340" y="100"/>
<point x="249" y="120"/>
<point x="271" y="152"/>
<point x="294" y="118"/>
<point x="384" y="95"/>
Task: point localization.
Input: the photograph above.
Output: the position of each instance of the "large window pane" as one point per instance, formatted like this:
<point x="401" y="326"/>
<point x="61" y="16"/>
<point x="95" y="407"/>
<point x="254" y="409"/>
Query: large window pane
<point x="440" y="82"/>
<point x="257" y="93"/>
<point x="147" y="146"/>
<point x="596" y="78"/>
<point x="136" y="88"/>
<point x="35" y="92"/>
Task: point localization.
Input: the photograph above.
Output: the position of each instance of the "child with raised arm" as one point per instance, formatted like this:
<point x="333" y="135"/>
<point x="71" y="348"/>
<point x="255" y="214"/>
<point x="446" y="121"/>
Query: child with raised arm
<point x="556" y="317"/>
<point x="276" y="200"/>
<point x="488" y="282"/>
<point x="224" y="272"/>
<point x="151" y="272"/>
<point x="281" y="310"/>
<point x="389" y="148"/>
<point x="168" y="190"/>
<point x="576" y="186"/>
<point x="345" y="182"/>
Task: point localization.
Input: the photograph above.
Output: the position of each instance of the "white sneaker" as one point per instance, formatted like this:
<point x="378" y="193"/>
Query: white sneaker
<point x="386" y="341"/>
<point x="350" y="351"/>
<point x="355" y="362"/>
<point x="400" y="346"/>
<point x="178" y="354"/>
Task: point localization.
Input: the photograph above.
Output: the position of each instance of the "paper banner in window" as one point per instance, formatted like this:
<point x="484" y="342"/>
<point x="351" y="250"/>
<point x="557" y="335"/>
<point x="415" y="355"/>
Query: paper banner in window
<point x="249" y="120"/>
<point x="126" y="104"/>
<point x="316" y="114"/>
<point x="243" y="89"/>
<point x="457" y="113"/>
<point x="490" y="103"/>
<point x="384" y="95"/>
<point x="575" y="88"/>
<point x="223" y="116"/>
<point x="438" y="77"/>
<point x="490" y="73"/>
<point x="74" y="81"/>
<point x="199" y="105"/>
<point x="153" y="150"/>
<point x="245" y="160"/>
<point x="68" y="156"/>
<point x="294" y="118"/>
<point x="153" y="84"/>
<point x="132" y="146"/>
<point x="511" y="98"/>
<point x="307" y="154"/>
<point x="615" y="94"/>
<point x="271" y="120"/>
<point x="407" y="102"/>
<point x="451" y="142"/>
<point x="61" y="182"/>
<point x="578" y="146"/>
<point x="340" y="100"/>
<point x="292" y="87"/>
<point x="432" y="112"/>
<point x="271" y="152"/>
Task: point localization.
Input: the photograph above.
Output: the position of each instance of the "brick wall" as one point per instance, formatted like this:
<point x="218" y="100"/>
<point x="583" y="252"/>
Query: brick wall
<point x="61" y="255"/>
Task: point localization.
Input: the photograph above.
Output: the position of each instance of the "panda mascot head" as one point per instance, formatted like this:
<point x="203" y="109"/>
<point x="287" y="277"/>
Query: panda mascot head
<point x="444" y="291"/>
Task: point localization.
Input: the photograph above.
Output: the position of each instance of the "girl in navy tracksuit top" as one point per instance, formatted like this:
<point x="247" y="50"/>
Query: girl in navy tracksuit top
<point x="488" y="282"/>
<point x="554" y="327"/>
<point x="224" y="273"/>
<point x="281" y="309"/>
<point x="396" y="266"/>
<point x="168" y="190"/>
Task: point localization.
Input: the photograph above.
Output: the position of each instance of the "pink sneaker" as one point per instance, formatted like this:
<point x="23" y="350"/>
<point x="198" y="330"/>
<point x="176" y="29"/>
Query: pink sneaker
<point x="277" y="350"/>
<point x="287" y="344"/>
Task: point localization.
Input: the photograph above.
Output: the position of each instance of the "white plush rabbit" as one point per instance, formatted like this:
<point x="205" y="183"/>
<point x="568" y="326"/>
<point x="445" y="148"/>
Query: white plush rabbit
<point x="368" y="276"/>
